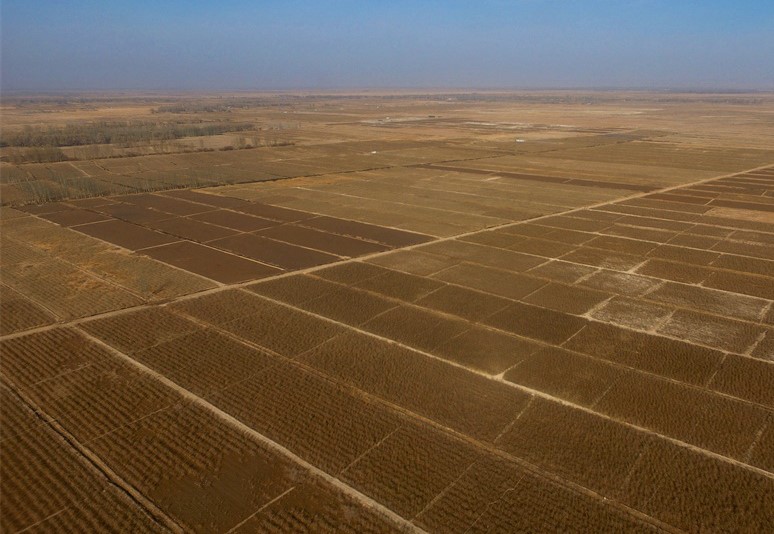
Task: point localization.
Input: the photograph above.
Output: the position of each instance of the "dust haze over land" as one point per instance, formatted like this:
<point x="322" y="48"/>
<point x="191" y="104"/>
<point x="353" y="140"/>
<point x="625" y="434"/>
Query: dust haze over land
<point x="49" y="46"/>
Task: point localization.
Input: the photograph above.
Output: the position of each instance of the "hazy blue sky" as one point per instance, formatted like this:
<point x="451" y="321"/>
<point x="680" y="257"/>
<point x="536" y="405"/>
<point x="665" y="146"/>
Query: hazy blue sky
<point x="232" y="44"/>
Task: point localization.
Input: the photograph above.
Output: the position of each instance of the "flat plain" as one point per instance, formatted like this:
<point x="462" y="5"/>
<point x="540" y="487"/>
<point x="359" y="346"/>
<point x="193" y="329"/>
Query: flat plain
<point x="377" y="312"/>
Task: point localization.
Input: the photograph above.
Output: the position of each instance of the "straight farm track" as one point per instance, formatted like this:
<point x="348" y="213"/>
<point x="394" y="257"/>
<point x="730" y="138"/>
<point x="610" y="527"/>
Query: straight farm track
<point x="485" y="343"/>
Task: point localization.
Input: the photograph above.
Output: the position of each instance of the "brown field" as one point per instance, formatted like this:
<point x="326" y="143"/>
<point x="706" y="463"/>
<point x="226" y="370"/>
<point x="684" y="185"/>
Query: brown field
<point x="377" y="312"/>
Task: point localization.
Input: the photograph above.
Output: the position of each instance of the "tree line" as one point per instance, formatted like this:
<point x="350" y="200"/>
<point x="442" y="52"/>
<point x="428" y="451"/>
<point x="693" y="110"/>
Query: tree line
<point x="114" y="132"/>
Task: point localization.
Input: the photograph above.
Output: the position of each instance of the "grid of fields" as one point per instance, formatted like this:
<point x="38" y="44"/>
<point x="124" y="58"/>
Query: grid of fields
<point x="440" y="346"/>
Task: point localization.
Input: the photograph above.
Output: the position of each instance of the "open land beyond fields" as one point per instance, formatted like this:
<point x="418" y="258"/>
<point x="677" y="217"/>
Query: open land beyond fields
<point x="377" y="312"/>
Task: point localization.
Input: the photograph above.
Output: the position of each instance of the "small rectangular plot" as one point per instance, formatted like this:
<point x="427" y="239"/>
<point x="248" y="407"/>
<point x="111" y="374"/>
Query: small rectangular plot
<point x="621" y="283"/>
<point x="582" y="447"/>
<point x="234" y="220"/>
<point x="449" y="395"/>
<point x="608" y="259"/>
<point x="620" y="244"/>
<point x="379" y="234"/>
<point x="73" y="217"/>
<point x="44" y="355"/>
<point x="348" y="305"/>
<point x="484" y="255"/>
<point x="756" y="286"/>
<point x="294" y="290"/>
<point x="163" y="203"/>
<point x="746" y="378"/>
<point x="322" y="422"/>
<point x="486" y="350"/>
<point x="702" y="418"/>
<point x="133" y="331"/>
<point x="537" y="323"/>
<point x="276" y="213"/>
<point x="705" y="299"/>
<point x="94" y="400"/>
<point x="700" y="493"/>
<point x="19" y="313"/>
<point x="496" y="495"/>
<point x="211" y="263"/>
<point x="678" y="272"/>
<point x="666" y="357"/>
<point x="126" y="234"/>
<point x="632" y="313"/>
<point x="47" y="487"/>
<point x="204" y="361"/>
<point x="227" y="475"/>
<point x="281" y="329"/>
<point x="221" y="307"/>
<point x="414" y="262"/>
<point x="416" y="327"/>
<point x="744" y="265"/>
<point x="684" y="255"/>
<point x="316" y="507"/>
<point x="561" y="271"/>
<point x="191" y="229"/>
<point x="716" y="332"/>
<point x="409" y="468"/>
<point x="462" y="302"/>
<point x="281" y="255"/>
<point x="319" y="240"/>
<point x="566" y="375"/>
<point x="399" y="285"/>
<point x="352" y="272"/>
<point x="564" y="298"/>
<point x="132" y="213"/>
<point x="502" y="283"/>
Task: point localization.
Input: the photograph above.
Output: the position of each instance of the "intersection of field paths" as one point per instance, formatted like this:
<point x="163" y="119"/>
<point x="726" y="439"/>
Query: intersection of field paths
<point x="443" y="349"/>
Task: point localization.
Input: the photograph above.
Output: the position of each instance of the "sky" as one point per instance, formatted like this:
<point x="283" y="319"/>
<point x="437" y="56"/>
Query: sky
<point x="48" y="45"/>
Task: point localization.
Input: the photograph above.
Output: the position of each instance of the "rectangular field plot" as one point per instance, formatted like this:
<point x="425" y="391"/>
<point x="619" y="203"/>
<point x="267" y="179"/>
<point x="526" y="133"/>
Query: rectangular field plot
<point x="708" y="420"/>
<point x="134" y="331"/>
<point x="166" y="204"/>
<point x="494" y="495"/>
<point x="283" y="330"/>
<point x="378" y="234"/>
<point x="126" y="234"/>
<point x="692" y="491"/>
<point x="666" y="357"/>
<point x="204" y="361"/>
<point x="594" y="452"/>
<point x="317" y="507"/>
<point x="189" y="448"/>
<point x="45" y="355"/>
<point x="409" y="467"/>
<point x="95" y="400"/>
<point x="565" y="375"/>
<point x="66" y="291"/>
<point x="327" y="242"/>
<point x="47" y="485"/>
<point x="276" y="253"/>
<point x="211" y="263"/>
<point x="192" y="229"/>
<point x="20" y="313"/>
<point x="318" y="420"/>
<point x="416" y="327"/>
<point x="451" y="396"/>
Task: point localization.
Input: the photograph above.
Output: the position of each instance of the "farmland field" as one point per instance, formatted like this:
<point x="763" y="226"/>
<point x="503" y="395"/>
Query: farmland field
<point x="393" y="312"/>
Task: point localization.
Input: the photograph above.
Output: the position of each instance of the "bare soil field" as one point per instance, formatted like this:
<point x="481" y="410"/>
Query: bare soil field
<point x="388" y="312"/>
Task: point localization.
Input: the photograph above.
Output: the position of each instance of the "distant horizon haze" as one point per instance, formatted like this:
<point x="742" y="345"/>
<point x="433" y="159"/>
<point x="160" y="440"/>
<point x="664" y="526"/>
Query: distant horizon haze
<point x="196" y="46"/>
